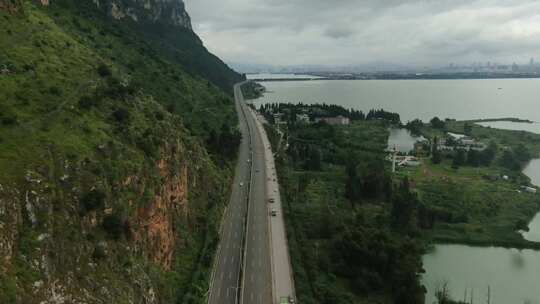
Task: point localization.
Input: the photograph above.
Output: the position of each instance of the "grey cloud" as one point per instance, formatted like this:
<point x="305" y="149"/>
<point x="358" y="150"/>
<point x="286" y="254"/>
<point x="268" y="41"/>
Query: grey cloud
<point x="338" y="32"/>
<point x="362" y="31"/>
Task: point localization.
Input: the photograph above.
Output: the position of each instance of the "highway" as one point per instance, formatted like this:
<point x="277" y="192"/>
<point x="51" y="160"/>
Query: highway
<point x="248" y="256"/>
<point x="257" y="279"/>
<point x="225" y="280"/>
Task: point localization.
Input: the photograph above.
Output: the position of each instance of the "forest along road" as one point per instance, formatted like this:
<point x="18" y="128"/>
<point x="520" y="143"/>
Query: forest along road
<point x="257" y="278"/>
<point x="225" y="284"/>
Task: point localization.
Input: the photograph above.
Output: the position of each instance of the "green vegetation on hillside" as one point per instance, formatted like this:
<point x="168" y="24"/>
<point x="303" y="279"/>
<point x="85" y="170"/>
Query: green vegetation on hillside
<point x="112" y="186"/>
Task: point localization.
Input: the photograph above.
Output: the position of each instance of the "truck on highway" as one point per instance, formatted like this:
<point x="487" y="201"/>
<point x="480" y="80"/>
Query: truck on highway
<point x="286" y="300"/>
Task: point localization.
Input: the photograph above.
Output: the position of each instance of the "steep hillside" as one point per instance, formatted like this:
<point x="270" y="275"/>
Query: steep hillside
<point x="108" y="193"/>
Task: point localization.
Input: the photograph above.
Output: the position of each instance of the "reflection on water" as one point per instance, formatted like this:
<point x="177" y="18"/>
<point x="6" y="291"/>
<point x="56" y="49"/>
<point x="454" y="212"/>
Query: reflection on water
<point x="511" y="274"/>
<point x="534" y="230"/>
<point x="533" y="172"/>
<point x="423" y="99"/>
<point x="402" y="140"/>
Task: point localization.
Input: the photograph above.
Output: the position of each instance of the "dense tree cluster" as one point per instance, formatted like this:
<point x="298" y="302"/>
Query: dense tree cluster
<point x="437" y="123"/>
<point x="384" y="115"/>
<point x="349" y="223"/>
<point x="414" y="126"/>
<point x="224" y="144"/>
<point x="314" y="111"/>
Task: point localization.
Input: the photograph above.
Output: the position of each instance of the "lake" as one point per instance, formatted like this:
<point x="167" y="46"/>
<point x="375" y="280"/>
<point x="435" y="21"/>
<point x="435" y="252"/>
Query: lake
<point x="512" y="275"/>
<point x="510" y="125"/>
<point x="424" y="99"/>
<point x="402" y="140"/>
<point x="532" y="170"/>
<point x="280" y="76"/>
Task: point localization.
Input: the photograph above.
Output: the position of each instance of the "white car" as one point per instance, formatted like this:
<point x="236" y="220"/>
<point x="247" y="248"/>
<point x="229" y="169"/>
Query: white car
<point x="241" y="184"/>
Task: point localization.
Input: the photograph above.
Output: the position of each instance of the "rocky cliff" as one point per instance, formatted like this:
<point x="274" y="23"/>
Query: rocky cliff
<point x="108" y="192"/>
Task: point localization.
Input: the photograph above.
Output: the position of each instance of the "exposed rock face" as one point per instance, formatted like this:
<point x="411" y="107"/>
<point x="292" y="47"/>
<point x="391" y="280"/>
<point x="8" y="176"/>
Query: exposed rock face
<point x="10" y="6"/>
<point x="154" y="224"/>
<point x="10" y="220"/>
<point x="170" y="12"/>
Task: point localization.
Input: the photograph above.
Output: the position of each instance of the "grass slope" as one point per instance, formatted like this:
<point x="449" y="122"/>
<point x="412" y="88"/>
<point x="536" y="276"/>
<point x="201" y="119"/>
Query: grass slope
<point x="84" y="104"/>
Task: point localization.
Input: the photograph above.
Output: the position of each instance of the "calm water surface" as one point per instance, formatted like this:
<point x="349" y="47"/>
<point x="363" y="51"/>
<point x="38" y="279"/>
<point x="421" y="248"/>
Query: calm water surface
<point x="424" y="99"/>
<point x="513" y="275"/>
<point x="509" y="125"/>
<point x="280" y="76"/>
<point x="533" y="172"/>
<point x="402" y="140"/>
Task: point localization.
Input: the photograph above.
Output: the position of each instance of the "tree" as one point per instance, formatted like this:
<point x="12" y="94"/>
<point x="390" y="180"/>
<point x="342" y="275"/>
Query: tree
<point x="103" y="70"/>
<point x="522" y="153"/>
<point x="314" y="161"/>
<point x="437" y="123"/>
<point x="92" y="200"/>
<point x="86" y="102"/>
<point x="353" y="183"/>
<point x="436" y="156"/>
<point x="459" y="158"/>
<point x="467" y="129"/>
<point x="113" y="225"/>
<point x="488" y="155"/>
<point x="414" y="126"/>
<point x="509" y="161"/>
<point x="404" y="203"/>
<point x="473" y="158"/>
<point x="121" y="115"/>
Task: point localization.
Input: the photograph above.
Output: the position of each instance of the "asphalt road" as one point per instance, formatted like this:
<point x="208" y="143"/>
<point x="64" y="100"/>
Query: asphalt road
<point x="282" y="274"/>
<point x="257" y="279"/>
<point x="244" y="267"/>
<point x="224" y="288"/>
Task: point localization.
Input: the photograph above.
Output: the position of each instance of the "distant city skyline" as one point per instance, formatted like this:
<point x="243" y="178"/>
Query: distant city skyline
<point x="414" y="33"/>
<point x="523" y="65"/>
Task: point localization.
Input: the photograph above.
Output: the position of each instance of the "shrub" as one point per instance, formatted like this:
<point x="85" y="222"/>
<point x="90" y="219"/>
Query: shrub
<point x="113" y="225"/>
<point x="87" y="102"/>
<point x="159" y="115"/>
<point x="9" y="120"/>
<point x="121" y="115"/>
<point x="104" y="71"/>
<point x="92" y="200"/>
<point x="54" y="90"/>
<point x="99" y="252"/>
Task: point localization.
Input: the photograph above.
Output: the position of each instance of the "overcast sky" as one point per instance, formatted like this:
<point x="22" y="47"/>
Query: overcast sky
<point x="342" y="32"/>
